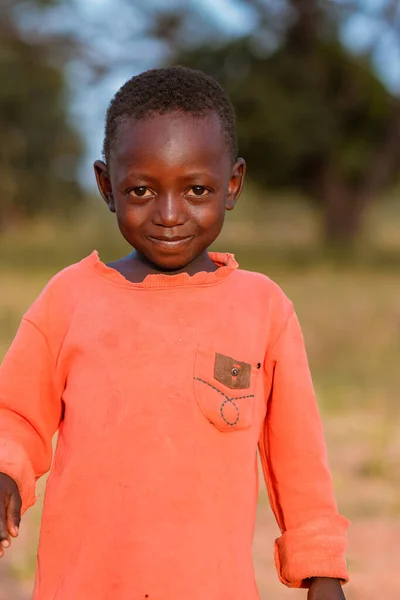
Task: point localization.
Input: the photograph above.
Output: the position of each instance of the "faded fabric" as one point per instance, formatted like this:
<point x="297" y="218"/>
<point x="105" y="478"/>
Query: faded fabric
<point x="162" y="392"/>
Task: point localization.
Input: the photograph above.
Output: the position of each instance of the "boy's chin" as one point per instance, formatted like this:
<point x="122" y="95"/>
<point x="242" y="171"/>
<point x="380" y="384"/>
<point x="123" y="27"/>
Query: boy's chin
<point x="172" y="259"/>
<point x="169" y="265"/>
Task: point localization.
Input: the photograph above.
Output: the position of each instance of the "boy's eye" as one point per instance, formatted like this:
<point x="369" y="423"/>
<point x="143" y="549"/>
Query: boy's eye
<point x="141" y="192"/>
<point x="198" y="190"/>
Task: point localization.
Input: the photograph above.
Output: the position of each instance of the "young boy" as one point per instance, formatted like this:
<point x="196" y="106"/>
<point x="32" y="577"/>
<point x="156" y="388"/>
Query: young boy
<point x="163" y="372"/>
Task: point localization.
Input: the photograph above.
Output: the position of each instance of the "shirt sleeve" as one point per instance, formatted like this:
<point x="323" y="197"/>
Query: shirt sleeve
<point x="293" y="455"/>
<point x="30" y="410"/>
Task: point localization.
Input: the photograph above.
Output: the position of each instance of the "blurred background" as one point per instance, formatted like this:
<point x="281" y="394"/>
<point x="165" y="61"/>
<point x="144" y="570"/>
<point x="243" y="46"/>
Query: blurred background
<point x="316" y="86"/>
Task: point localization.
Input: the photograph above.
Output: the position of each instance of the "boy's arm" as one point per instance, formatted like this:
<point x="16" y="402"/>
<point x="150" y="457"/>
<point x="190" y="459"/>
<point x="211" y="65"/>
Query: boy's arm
<point x="293" y="454"/>
<point x="30" y="410"/>
<point x="323" y="588"/>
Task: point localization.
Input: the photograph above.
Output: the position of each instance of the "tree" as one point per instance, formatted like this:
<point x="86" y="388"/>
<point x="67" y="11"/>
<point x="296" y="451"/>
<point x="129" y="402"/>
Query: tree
<point x="311" y="114"/>
<point x="40" y="150"/>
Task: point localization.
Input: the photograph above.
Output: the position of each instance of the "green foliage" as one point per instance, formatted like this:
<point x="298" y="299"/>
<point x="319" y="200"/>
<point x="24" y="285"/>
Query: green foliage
<point x="40" y="150"/>
<point x="296" y="112"/>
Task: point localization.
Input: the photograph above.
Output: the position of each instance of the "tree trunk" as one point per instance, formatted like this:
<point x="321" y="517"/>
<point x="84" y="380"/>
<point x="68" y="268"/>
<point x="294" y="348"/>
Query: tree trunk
<point x="10" y="217"/>
<point x="343" y="205"/>
<point x="343" y="218"/>
<point x="302" y="34"/>
<point x="343" y="209"/>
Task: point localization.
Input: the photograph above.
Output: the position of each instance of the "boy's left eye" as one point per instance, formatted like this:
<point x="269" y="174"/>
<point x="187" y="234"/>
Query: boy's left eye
<point x="198" y="190"/>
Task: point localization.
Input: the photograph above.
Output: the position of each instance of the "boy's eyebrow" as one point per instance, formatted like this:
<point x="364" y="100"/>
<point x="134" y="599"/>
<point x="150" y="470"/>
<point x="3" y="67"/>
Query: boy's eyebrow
<point x="138" y="175"/>
<point x="195" y="175"/>
<point x="190" y="176"/>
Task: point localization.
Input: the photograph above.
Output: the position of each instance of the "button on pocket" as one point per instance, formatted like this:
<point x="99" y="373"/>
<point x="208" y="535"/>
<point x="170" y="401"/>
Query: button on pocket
<point x="225" y="390"/>
<point x="232" y="373"/>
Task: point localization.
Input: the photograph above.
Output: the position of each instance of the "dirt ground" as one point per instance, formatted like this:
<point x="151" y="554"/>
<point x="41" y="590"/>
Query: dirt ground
<point x="373" y="558"/>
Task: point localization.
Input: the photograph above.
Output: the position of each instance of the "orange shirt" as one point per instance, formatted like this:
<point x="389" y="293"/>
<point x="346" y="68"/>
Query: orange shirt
<point x="162" y="391"/>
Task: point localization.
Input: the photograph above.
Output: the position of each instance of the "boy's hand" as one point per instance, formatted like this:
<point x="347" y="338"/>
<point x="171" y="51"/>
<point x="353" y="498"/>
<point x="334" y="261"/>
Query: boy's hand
<point x="324" y="588"/>
<point x="10" y="511"/>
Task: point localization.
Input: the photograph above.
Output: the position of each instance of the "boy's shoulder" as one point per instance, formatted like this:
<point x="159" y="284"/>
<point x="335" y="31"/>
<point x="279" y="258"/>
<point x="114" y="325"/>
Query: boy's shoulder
<point x="73" y="271"/>
<point x="263" y="298"/>
<point x="59" y="294"/>
<point x="262" y="291"/>
<point x="69" y="276"/>
<point x="260" y="283"/>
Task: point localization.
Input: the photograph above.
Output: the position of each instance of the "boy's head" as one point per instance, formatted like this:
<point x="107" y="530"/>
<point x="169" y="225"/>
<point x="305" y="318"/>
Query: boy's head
<point x="170" y="165"/>
<point x="173" y="89"/>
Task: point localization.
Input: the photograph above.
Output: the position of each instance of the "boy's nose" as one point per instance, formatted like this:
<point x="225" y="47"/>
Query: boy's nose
<point x="169" y="211"/>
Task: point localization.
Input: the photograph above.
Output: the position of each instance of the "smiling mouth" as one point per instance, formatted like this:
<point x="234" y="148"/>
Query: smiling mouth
<point x="170" y="242"/>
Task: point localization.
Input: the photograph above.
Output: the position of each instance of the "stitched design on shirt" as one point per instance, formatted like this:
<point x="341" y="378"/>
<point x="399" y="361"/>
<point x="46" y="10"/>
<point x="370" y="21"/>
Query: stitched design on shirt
<point x="227" y="399"/>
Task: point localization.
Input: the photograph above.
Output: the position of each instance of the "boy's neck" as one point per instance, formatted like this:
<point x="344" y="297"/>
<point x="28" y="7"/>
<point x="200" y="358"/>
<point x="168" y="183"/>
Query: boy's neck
<point x="135" y="267"/>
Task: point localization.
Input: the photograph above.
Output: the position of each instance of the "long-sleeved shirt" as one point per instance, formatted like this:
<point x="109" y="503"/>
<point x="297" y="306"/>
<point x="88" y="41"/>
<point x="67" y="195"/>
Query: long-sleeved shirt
<point x="162" y="392"/>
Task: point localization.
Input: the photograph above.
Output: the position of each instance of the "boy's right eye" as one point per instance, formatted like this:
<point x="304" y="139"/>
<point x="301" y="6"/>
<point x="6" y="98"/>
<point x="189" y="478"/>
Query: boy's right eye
<point x="141" y="192"/>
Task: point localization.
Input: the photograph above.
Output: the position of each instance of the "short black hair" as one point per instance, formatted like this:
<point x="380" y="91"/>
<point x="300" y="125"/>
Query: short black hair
<point x="159" y="91"/>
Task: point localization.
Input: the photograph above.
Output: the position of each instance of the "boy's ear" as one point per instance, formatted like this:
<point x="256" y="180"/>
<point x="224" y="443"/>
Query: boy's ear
<point x="235" y="183"/>
<point x="104" y="183"/>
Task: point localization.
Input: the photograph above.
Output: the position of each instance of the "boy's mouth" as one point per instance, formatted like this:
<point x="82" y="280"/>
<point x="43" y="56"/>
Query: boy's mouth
<point x="170" y="241"/>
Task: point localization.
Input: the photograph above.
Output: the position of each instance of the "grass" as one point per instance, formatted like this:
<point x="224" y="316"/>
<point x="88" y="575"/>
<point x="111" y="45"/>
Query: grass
<point x="350" y="315"/>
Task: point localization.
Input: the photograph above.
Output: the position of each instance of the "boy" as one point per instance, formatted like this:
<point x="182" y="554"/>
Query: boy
<point x="163" y="373"/>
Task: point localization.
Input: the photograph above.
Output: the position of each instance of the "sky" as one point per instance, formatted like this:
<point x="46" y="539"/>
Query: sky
<point x="90" y="101"/>
<point x="234" y="20"/>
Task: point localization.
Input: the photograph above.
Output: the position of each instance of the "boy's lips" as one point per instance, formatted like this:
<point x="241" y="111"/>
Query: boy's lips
<point x="170" y="242"/>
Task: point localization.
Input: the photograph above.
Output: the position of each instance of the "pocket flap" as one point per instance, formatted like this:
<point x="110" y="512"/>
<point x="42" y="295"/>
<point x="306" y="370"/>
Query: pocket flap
<point x="235" y="374"/>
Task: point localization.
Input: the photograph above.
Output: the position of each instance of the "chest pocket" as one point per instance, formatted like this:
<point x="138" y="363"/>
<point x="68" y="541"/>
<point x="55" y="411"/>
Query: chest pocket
<point x="225" y="390"/>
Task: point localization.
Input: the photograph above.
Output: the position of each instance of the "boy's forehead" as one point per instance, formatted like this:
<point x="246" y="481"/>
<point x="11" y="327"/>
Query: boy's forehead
<point x="170" y="136"/>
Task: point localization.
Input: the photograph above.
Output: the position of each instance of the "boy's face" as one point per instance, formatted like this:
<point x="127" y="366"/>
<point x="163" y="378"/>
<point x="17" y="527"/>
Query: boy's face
<point x="169" y="181"/>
